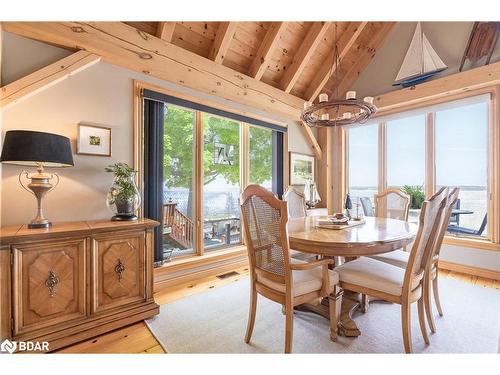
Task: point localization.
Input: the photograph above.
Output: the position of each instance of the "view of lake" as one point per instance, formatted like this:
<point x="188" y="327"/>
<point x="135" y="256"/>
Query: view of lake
<point x="473" y="198"/>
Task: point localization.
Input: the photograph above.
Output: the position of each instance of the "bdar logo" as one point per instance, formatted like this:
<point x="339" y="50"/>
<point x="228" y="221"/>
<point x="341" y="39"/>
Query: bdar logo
<point x="8" y="346"/>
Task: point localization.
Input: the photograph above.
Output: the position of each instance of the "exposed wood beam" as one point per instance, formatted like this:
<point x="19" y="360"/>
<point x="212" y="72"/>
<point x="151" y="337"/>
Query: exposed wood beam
<point x="265" y="50"/>
<point x="46" y="77"/>
<point x="165" y="31"/>
<point x="364" y="57"/>
<point x="222" y="41"/>
<point x="437" y="89"/>
<point x="311" y="139"/>
<point x="346" y="41"/>
<point x="304" y="53"/>
<point x="123" y="45"/>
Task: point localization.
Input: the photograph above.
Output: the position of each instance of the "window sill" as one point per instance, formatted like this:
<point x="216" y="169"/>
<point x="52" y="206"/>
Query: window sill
<point x="482" y="244"/>
<point x="187" y="261"/>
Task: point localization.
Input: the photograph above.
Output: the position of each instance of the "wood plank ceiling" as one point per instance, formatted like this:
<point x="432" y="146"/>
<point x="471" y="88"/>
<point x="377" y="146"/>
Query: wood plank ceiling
<point x="295" y="57"/>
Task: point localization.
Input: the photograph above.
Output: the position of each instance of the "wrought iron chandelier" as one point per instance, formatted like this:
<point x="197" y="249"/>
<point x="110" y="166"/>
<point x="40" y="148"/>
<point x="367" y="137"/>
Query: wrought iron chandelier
<point x="337" y="112"/>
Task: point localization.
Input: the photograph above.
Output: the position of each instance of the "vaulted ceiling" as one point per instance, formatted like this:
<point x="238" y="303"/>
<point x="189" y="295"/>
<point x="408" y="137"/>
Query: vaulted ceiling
<point x="295" y="57"/>
<point x="269" y="66"/>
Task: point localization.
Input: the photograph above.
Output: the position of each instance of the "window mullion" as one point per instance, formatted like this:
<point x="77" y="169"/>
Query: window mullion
<point x="430" y="154"/>
<point x="199" y="148"/>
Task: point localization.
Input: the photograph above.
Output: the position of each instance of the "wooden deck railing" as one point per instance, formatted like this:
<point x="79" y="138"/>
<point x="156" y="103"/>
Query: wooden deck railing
<point x="181" y="226"/>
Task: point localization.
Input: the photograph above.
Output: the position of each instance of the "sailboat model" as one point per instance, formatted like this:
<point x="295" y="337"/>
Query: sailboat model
<point x="421" y="61"/>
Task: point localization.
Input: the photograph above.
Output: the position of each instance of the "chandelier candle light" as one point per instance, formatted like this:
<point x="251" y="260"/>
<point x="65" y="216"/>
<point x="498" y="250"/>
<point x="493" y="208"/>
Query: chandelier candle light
<point x="337" y="112"/>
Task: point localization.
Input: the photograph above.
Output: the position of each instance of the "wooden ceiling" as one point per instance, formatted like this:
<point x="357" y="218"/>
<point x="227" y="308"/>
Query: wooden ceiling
<point x="295" y="57"/>
<point x="269" y="66"/>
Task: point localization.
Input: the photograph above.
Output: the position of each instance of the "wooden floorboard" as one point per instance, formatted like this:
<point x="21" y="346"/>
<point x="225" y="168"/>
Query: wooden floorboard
<point x="137" y="337"/>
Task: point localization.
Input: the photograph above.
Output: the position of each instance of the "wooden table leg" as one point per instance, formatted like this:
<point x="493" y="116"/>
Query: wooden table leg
<point x="350" y="302"/>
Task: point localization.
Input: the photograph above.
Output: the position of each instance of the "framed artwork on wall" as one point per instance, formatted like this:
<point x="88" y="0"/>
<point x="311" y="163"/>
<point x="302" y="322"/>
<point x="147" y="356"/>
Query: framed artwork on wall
<point x="93" y="140"/>
<point x="302" y="168"/>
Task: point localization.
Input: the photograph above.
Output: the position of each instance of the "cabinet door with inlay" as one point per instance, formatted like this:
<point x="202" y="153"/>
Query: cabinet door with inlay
<point x="49" y="284"/>
<point x="118" y="270"/>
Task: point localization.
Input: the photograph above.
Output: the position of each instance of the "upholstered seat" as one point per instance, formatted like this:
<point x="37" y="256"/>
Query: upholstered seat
<point x="304" y="281"/>
<point x="371" y="273"/>
<point x="398" y="258"/>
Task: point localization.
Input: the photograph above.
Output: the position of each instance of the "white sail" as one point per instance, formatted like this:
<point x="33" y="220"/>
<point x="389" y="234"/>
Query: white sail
<point x="420" y="57"/>
<point x="432" y="62"/>
<point x="412" y="64"/>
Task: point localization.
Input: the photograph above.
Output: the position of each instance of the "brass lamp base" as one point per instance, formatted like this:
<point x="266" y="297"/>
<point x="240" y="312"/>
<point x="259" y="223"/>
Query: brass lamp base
<point x="39" y="186"/>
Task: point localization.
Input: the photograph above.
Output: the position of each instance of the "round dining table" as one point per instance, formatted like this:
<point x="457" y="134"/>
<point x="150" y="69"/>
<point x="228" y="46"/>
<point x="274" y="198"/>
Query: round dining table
<point x="371" y="236"/>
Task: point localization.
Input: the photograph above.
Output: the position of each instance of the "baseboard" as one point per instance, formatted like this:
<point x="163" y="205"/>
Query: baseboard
<point x="170" y="276"/>
<point x="469" y="270"/>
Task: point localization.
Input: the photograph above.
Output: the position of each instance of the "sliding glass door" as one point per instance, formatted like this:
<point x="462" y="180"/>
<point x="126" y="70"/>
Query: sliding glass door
<point x="178" y="181"/>
<point x="221" y="182"/>
<point x="199" y="160"/>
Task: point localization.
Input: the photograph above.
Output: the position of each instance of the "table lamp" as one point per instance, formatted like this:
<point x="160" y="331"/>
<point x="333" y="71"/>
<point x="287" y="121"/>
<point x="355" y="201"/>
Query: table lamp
<point x="38" y="149"/>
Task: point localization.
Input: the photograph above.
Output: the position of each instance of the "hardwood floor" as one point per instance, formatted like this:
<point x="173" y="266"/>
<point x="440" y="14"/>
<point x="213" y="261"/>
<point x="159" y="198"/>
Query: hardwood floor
<point x="137" y="338"/>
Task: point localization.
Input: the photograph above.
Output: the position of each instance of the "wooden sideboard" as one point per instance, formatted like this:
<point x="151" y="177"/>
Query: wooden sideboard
<point x="75" y="280"/>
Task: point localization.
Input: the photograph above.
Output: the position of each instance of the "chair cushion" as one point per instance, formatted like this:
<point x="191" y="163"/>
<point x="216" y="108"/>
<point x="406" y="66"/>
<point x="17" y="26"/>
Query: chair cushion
<point x="398" y="258"/>
<point x="373" y="274"/>
<point x="304" y="281"/>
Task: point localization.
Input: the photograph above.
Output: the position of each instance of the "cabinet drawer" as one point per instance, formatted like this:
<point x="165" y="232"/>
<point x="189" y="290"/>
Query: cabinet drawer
<point x="118" y="272"/>
<point x="49" y="284"/>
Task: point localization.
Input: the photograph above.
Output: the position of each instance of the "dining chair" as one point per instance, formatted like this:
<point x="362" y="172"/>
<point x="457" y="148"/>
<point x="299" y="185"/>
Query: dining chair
<point x="296" y="202"/>
<point x="273" y="273"/>
<point x="367" y="205"/>
<point x="394" y="284"/>
<point x="392" y="204"/>
<point x="400" y="259"/>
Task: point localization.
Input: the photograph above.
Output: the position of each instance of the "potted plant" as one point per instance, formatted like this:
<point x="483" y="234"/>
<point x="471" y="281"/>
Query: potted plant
<point x="123" y="197"/>
<point x="416" y="194"/>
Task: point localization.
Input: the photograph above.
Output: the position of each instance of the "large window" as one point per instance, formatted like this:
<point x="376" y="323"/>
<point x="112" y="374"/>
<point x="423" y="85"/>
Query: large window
<point x="363" y="164"/>
<point x="207" y="157"/>
<point x="406" y="158"/>
<point x="221" y="185"/>
<point x="261" y="156"/>
<point x="178" y="180"/>
<point x="462" y="160"/>
<point x="425" y="149"/>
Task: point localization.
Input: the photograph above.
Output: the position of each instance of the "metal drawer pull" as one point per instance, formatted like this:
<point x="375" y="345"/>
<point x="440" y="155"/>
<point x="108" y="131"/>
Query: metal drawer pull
<point x="119" y="269"/>
<point x="51" y="283"/>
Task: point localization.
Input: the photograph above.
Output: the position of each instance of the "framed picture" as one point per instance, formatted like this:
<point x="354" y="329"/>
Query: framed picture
<point x="302" y="168"/>
<point x="93" y="140"/>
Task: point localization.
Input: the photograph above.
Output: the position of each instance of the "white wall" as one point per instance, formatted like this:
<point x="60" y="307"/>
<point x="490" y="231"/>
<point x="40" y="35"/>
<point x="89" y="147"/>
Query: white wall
<point x="100" y="94"/>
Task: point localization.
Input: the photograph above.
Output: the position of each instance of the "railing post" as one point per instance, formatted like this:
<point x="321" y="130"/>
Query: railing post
<point x="228" y="233"/>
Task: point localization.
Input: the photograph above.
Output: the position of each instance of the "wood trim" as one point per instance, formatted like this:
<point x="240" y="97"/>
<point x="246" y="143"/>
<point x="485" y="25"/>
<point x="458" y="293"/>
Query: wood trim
<point x="471" y="242"/>
<point x="469" y="270"/>
<point x="244" y="150"/>
<point x="346" y="41"/>
<point x="5" y="293"/>
<point x="324" y="180"/>
<point x="430" y="154"/>
<point x="286" y="163"/>
<point x="438" y="90"/>
<point x="382" y="157"/>
<point x="165" y="31"/>
<point x="341" y="181"/>
<point x="310" y="139"/>
<point x="222" y="41"/>
<point x="123" y="45"/>
<point x="207" y="102"/>
<point x="304" y="54"/>
<point x="259" y="64"/>
<point x="198" y="183"/>
<point x="46" y="77"/>
<point x="190" y="269"/>
<point x="137" y="141"/>
<point x="494" y="165"/>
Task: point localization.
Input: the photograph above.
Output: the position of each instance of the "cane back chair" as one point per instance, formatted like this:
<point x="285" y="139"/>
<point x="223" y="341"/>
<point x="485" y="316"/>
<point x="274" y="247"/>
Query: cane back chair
<point x="273" y="273"/>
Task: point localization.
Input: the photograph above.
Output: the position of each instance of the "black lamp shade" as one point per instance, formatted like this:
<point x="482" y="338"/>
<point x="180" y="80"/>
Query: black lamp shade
<point x="25" y="147"/>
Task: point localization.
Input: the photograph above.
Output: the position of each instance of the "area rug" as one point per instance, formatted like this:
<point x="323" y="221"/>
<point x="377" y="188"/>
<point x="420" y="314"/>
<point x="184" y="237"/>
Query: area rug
<point x="215" y="322"/>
